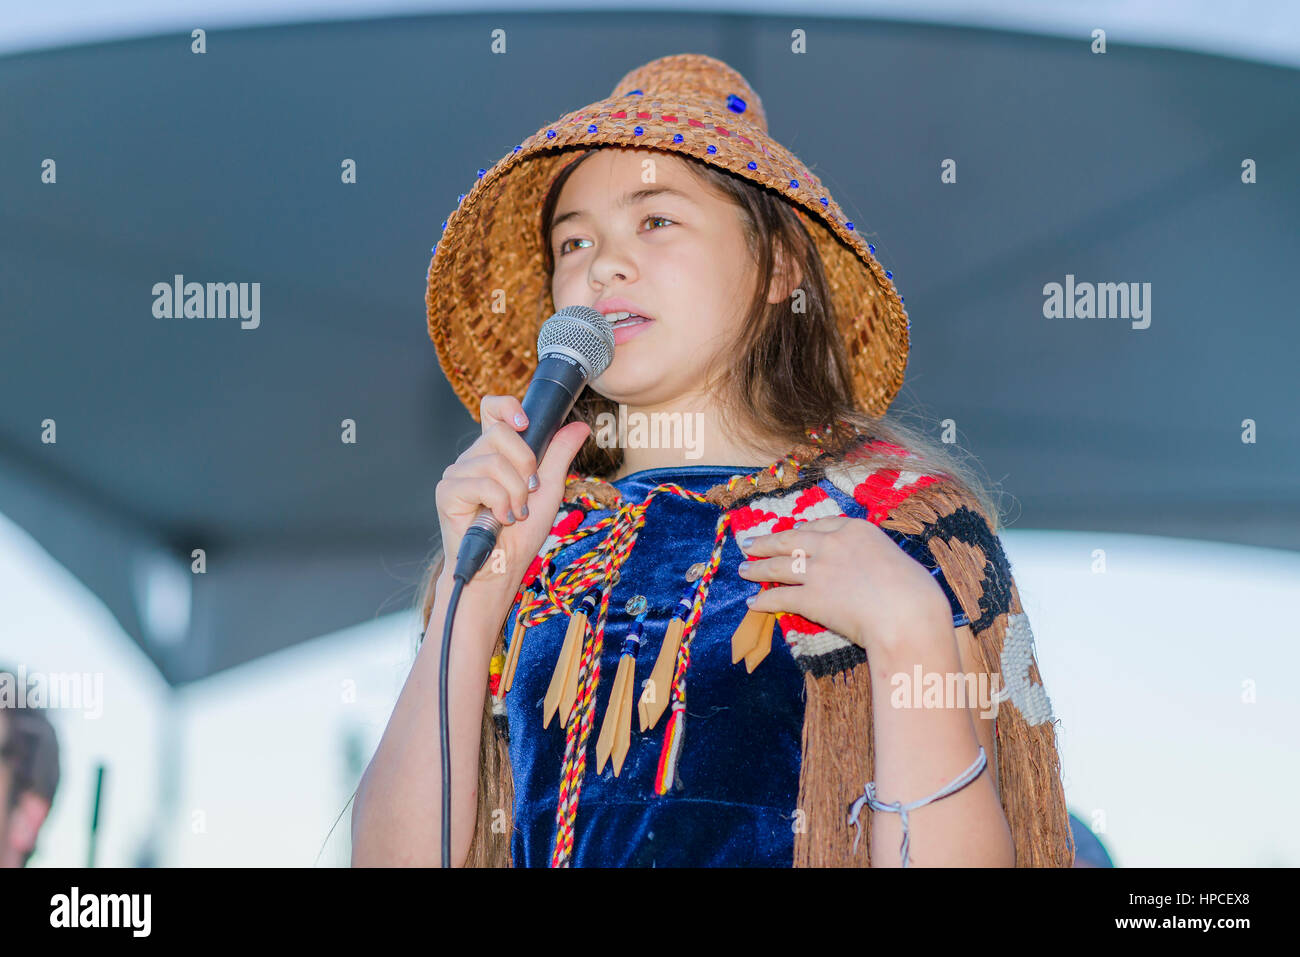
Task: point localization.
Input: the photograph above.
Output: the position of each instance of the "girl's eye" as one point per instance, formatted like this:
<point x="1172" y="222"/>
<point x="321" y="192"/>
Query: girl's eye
<point x="646" y="220"/>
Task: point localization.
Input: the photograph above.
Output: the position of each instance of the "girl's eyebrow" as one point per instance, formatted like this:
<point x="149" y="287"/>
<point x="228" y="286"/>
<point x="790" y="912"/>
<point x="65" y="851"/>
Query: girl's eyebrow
<point x="628" y="199"/>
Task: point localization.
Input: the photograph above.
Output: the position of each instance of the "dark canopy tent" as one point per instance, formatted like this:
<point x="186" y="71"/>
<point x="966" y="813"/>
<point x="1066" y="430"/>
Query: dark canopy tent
<point x="177" y="434"/>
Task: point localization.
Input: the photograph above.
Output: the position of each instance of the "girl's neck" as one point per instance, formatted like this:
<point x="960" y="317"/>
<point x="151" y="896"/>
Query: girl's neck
<point x="688" y="432"/>
<point x="722" y="453"/>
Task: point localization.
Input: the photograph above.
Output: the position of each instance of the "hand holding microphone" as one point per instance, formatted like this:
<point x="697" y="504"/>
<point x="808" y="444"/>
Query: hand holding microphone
<point x="575" y="345"/>
<point x="492" y="475"/>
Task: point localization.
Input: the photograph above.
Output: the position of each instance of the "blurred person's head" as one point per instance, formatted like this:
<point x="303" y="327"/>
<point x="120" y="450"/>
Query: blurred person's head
<point x="1089" y="851"/>
<point x="29" y="775"/>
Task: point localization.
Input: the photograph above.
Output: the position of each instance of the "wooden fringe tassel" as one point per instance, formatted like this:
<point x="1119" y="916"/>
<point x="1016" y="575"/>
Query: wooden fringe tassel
<point x="752" y="639"/>
<point x="659" y="687"/>
<point x="563" y="690"/>
<point x="616" y="728"/>
<point x="512" y="656"/>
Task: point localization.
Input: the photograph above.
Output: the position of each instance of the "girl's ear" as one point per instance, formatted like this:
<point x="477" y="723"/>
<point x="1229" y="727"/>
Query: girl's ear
<point x="786" y="274"/>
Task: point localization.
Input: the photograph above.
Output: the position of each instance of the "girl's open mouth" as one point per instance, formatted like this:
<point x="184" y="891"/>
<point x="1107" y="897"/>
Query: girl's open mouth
<point x="626" y="325"/>
<point x="621" y="320"/>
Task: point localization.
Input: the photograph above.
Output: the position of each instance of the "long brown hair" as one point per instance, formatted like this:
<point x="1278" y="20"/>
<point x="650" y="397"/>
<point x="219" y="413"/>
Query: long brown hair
<point x="791" y="373"/>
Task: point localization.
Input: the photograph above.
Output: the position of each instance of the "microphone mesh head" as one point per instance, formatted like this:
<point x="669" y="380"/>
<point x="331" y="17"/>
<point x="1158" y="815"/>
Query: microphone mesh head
<point x="582" y="332"/>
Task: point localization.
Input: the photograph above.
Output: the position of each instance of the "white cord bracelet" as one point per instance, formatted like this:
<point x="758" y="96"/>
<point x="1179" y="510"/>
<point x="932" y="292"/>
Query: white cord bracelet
<point x="869" y="798"/>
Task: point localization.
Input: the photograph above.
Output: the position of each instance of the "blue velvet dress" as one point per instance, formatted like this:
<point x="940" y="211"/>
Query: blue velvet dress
<point x="733" y="799"/>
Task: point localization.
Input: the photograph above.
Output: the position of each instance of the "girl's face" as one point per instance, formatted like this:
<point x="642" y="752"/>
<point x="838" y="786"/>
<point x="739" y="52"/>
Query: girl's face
<point x="634" y="224"/>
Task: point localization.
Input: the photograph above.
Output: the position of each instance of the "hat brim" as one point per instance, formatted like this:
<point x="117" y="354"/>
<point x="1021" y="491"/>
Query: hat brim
<point x="488" y="291"/>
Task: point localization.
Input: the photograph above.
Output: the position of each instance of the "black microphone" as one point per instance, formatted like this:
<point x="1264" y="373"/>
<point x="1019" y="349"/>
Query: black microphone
<point x="575" y="345"/>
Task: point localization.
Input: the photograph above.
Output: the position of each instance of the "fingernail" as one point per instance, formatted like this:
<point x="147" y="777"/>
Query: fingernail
<point x="533" y="482"/>
<point x="520" y="420"/>
<point x="524" y="511"/>
<point x="747" y="542"/>
<point x="750" y="599"/>
<point x="510" y="515"/>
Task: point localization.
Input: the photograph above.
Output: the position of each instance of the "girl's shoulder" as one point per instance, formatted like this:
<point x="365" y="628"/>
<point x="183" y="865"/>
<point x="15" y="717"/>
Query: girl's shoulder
<point x="936" y="519"/>
<point x="939" y="521"/>
<point x="856" y="488"/>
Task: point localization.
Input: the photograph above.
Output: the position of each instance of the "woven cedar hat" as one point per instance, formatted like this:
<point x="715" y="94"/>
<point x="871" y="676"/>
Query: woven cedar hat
<point x="688" y="104"/>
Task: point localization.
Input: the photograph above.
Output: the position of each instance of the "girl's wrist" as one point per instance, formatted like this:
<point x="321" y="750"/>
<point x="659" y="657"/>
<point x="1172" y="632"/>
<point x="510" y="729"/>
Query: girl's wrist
<point x="483" y="606"/>
<point x="926" y="636"/>
<point x="500" y="587"/>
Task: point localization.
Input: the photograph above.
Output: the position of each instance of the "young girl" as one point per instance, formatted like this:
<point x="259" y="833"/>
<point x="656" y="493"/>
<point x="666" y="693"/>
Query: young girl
<point x="623" y="691"/>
